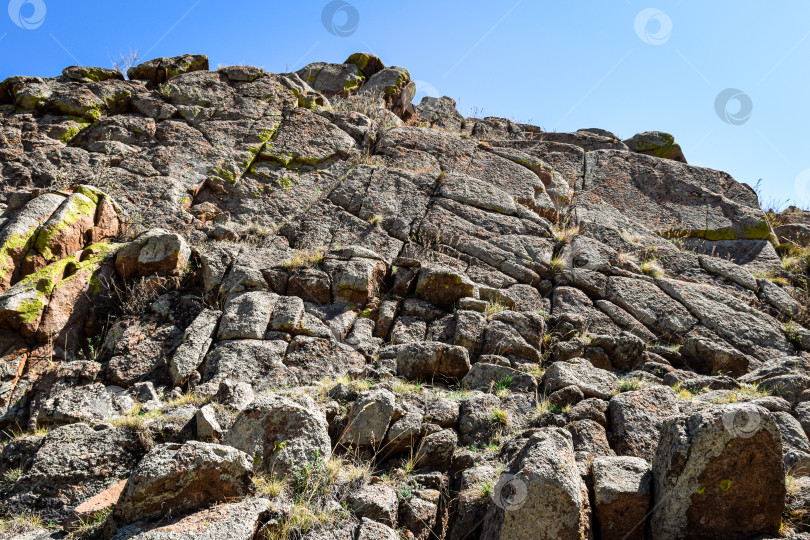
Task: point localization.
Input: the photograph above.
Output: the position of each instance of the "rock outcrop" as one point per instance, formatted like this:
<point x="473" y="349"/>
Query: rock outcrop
<point x="239" y="304"/>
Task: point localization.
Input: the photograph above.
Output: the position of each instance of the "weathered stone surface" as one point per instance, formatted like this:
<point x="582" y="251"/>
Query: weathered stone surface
<point x="656" y="143"/>
<point x="160" y="70"/>
<point x="442" y="286"/>
<point x="360" y="249"/>
<point x="196" y="341"/>
<point x="436" y="450"/>
<point x="72" y="464"/>
<point x="369" y="418"/>
<point x="622" y="496"/>
<point x="246" y="315"/>
<point x="183" y="478"/>
<point x="634" y="420"/>
<point x="729" y="270"/>
<point x="432" y="359"/>
<point x="543" y="499"/>
<point x="747" y="329"/>
<point x="624" y="180"/>
<point x="719" y="472"/>
<point x="157" y="252"/>
<point x="238" y="521"/>
<point x="377" y="502"/>
<point x="593" y="382"/>
<point x="282" y="435"/>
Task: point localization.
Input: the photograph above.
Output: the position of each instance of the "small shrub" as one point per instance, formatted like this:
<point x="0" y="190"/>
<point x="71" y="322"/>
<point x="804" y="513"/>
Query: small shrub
<point x="628" y="384"/>
<point x="11" y="476"/>
<point x="485" y="488"/>
<point x="499" y="417"/>
<point x="164" y="90"/>
<point x="92" y="527"/>
<point x="565" y="234"/>
<point x="317" y="492"/>
<point x="556" y="265"/>
<point x="494" y="307"/>
<point x="407" y="387"/>
<point x="269" y="486"/>
<point x="651" y="268"/>
<point x="304" y="258"/>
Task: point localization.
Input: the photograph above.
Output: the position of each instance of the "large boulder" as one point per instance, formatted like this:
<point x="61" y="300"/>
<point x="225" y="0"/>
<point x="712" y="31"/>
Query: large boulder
<point x="542" y="497"/>
<point x="156" y="252"/>
<point x="160" y="70"/>
<point x="72" y="464"/>
<point x="369" y="418"/>
<point x="656" y="143"/>
<point x="443" y="286"/>
<point x="622" y="496"/>
<point x="634" y="420"/>
<point x="282" y="435"/>
<point x="239" y="520"/>
<point x="718" y="472"/>
<point x="174" y="478"/>
<point x="197" y="338"/>
<point x="593" y="381"/>
<point x="431" y="359"/>
<point x="667" y="196"/>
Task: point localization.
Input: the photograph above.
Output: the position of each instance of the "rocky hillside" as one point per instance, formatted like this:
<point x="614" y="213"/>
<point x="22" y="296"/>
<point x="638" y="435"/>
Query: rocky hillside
<point x="244" y="305"/>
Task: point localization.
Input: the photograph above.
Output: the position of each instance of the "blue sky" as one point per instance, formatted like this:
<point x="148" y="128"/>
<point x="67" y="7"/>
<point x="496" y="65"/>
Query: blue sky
<point x="623" y="65"/>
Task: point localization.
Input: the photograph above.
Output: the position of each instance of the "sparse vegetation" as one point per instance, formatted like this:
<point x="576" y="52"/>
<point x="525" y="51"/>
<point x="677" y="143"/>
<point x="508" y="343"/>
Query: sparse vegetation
<point x="356" y="384"/>
<point x="628" y="384"/>
<point x="269" y="486"/>
<point x="91" y="527"/>
<point x="651" y="268"/>
<point x="317" y="492"/>
<point x="11" y="476"/>
<point x="485" y="488"/>
<point x="503" y="386"/>
<point x="556" y="265"/>
<point x="544" y="406"/>
<point x="565" y="234"/>
<point x="20" y="524"/>
<point x="125" y="61"/>
<point x="406" y="387"/>
<point x="189" y="398"/>
<point x="499" y="417"/>
<point x="303" y="258"/>
<point x="494" y="307"/>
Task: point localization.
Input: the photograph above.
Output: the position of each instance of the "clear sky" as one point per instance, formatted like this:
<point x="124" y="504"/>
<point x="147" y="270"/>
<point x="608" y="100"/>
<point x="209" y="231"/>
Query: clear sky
<point x="622" y="65"/>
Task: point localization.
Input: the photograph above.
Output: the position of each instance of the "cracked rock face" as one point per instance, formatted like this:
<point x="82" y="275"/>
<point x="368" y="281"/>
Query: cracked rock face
<point x="251" y="297"/>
